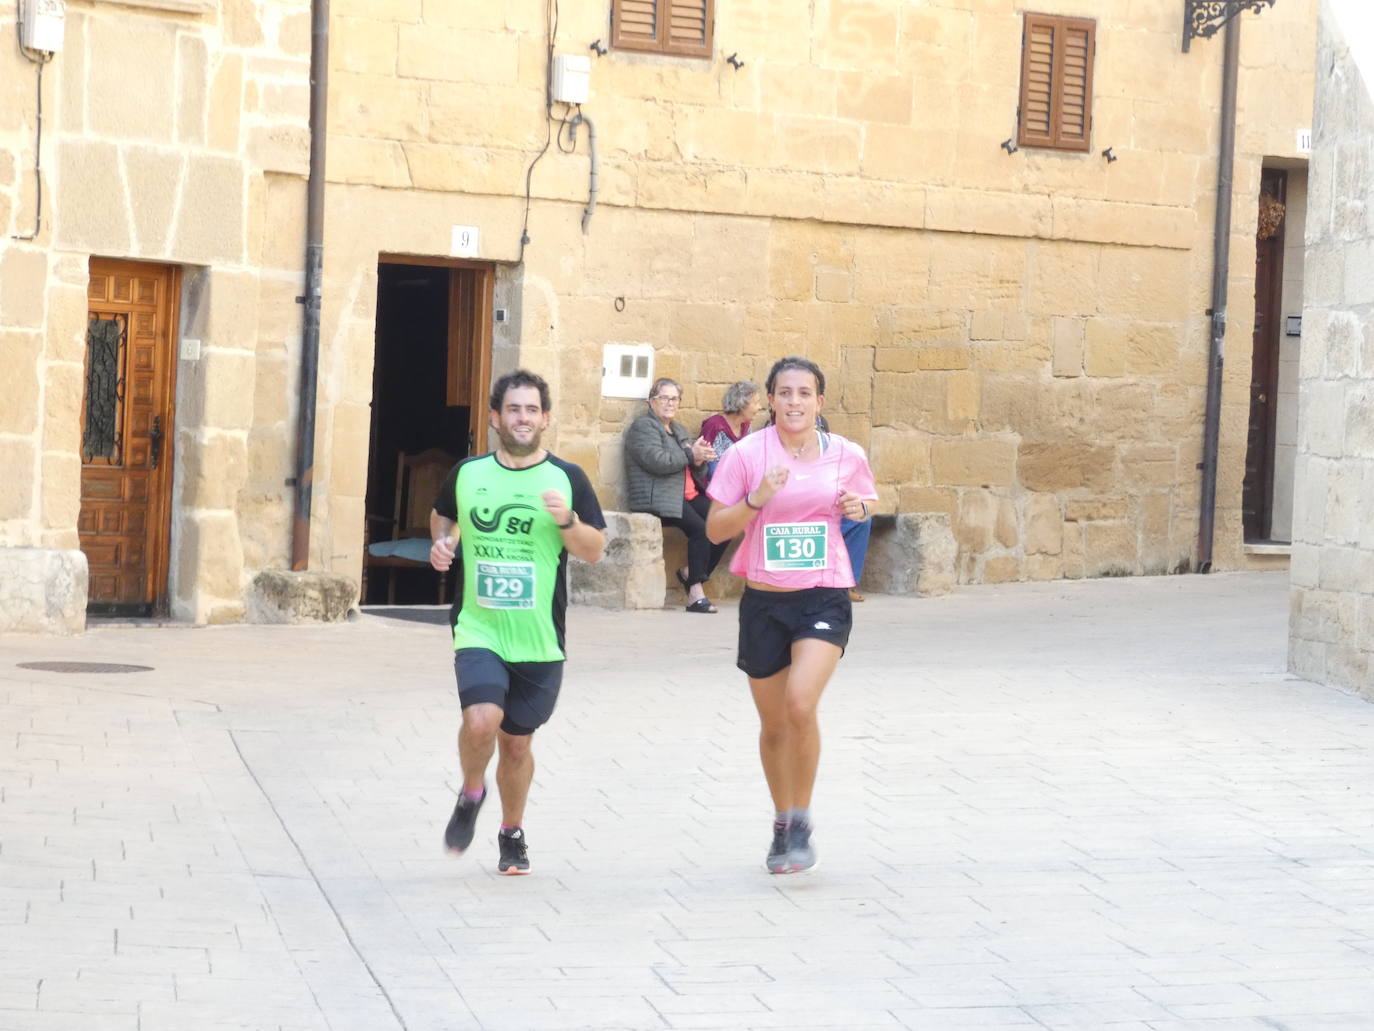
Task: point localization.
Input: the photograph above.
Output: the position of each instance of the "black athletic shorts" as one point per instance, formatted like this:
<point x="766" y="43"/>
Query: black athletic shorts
<point x="769" y="621"/>
<point x="525" y="691"/>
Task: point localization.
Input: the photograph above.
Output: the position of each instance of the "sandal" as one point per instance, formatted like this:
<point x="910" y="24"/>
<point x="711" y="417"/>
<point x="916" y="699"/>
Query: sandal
<point x="701" y="605"/>
<point x="682" y="580"/>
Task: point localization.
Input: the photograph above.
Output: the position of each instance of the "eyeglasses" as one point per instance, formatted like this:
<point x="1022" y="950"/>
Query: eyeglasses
<point x="666" y="399"/>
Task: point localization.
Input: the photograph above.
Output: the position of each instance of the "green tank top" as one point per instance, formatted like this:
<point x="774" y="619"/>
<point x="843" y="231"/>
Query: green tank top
<point x="512" y="590"/>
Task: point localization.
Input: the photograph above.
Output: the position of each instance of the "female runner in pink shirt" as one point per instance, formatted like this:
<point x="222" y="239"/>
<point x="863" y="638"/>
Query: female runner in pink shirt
<point x="786" y="489"/>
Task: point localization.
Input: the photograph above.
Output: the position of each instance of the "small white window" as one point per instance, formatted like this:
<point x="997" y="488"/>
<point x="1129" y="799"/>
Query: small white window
<point x="627" y="370"/>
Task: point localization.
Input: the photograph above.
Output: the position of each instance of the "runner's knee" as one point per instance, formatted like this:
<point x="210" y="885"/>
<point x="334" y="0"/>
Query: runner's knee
<point x="482" y="720"/>
<point x="773" y="734"/>
<point x="514" y="747"/>
<point x="801" y="712"/>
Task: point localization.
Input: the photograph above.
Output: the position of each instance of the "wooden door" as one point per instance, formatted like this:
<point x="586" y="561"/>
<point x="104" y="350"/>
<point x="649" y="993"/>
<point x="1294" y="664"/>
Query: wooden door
<point x="1257" y="492"/>
<point x="469" y="348"/>
<point x="471" y="300"/>
<point x="127" y="419"/>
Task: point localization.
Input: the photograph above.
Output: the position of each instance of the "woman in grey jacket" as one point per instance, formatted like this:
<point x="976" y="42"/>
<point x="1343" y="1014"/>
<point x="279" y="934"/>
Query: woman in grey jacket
<point x="662" y="464"/>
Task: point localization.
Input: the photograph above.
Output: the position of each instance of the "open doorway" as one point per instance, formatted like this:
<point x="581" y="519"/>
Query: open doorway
<point x="1271" y="446"/>
<point x="429" y="381"/>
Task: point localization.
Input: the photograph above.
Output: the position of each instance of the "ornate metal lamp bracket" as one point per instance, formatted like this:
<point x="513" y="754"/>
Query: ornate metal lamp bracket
<point x="1203" y="19"/>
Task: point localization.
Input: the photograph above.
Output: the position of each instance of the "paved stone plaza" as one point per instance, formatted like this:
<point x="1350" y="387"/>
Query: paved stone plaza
<point x="1069" y="805"/>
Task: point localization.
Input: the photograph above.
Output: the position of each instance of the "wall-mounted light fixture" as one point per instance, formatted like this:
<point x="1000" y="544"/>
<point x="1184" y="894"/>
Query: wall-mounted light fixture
<point x="1292" y="326"/>
<point x="1203" y="19"/>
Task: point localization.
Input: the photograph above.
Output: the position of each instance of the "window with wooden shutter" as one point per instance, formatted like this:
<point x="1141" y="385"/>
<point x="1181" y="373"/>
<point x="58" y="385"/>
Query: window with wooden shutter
<point x="663" y="26"/>
<point x="1056" y="82"/>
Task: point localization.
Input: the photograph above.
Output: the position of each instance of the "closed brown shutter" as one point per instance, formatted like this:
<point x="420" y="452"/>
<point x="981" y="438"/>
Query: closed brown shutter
<point x="666" y="26"/>
<point x="1076" y="86"/>
<point x="689" y="26"/>
<point x="635" y="25"/>
<point x="1056" y="82"/>
<point x="1037" y="82"/>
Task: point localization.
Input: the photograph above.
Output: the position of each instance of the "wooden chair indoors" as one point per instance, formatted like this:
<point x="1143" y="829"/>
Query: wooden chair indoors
<point x="406" y="541"/>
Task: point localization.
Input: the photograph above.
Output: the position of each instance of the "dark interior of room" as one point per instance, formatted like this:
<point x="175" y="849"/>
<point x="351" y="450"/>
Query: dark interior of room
<point x="410" y="417"/>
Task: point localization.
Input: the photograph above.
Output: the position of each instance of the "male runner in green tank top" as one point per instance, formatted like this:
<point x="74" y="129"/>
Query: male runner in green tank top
<point x="516" y="513"/>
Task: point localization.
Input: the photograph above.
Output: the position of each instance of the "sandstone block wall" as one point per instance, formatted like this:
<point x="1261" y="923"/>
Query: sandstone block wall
<point x="1331" y="630"/>
<point x="172" y="133"/>
<point x="1019" y="340"/>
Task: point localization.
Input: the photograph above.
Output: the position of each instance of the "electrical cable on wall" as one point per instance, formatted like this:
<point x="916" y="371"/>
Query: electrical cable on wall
<point x="44" y="56"/>
<point x="592" y="186"/>
<point x="570" y="124"/>
<point x="550" y="19"/>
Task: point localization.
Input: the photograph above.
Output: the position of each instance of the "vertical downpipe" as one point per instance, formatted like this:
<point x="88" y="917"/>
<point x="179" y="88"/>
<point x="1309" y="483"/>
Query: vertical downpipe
<point x="1221" y="267"/>
<point x="314" y="262"/>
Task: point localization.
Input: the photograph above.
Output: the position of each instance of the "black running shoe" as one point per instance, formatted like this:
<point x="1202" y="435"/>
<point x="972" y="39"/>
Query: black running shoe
<point x="463" y="822"/>
<point x="801" y="855"/>
<point x="777" y="852"/>
<point x="514" y="855"/>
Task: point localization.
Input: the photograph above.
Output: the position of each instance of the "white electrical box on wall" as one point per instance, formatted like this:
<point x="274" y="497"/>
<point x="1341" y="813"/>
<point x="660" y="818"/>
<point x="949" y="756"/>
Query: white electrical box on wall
<point x="627" y="370"/>
<point x="572" y="78"/>
<point x="41" y="25"/>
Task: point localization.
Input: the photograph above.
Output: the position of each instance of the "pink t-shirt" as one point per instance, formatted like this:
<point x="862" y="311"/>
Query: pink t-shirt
<point x="795" y="541"/>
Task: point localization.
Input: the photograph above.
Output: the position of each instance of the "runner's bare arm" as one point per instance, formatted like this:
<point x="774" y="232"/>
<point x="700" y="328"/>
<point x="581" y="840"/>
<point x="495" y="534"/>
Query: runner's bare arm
<point x="444" y="533"/>
<point x="725" y="522"/>
<point x="583" y="541"/>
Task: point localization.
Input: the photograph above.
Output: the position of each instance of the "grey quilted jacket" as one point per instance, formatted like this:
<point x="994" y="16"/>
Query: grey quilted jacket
<point x="654" y="460"/>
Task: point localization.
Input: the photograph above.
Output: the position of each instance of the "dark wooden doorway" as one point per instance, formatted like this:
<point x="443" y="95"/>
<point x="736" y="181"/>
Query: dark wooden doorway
<point x="1257" y="493"/>
<point x="431" y="375"/>
<point x="127" y="420"/>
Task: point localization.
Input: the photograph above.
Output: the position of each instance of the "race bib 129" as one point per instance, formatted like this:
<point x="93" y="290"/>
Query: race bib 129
<point x="505" y="585"/>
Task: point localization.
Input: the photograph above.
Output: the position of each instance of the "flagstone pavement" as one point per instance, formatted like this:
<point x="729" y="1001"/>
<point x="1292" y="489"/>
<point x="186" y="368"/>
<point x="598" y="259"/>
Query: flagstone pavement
<point x="1074" y="805"/>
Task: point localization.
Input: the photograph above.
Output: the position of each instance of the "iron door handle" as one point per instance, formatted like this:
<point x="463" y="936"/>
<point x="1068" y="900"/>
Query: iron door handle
<point x="155" y="441"/>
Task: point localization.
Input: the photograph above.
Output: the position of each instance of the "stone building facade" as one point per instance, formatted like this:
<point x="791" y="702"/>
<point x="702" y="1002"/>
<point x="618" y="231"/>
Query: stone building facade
<point x="174" y="134"/>
<point x="1017" y="334"/>
<point x="1332" y="620"/>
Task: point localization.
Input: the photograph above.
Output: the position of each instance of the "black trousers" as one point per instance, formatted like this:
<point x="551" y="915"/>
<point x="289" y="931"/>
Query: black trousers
<point x="702" y="555"/>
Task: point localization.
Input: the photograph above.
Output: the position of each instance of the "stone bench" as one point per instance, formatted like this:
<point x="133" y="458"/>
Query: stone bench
<point x="43" y="591"/>
<point x="909" y="553"/>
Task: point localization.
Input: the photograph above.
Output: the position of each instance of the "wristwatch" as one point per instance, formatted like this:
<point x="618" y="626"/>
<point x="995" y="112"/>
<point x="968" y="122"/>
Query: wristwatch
<point x="569" y="524"/>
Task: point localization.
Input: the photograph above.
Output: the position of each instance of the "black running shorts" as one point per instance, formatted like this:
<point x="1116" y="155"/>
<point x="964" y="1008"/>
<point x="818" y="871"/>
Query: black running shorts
<point x="525" y="691"/>
<point x="769" y="621"/>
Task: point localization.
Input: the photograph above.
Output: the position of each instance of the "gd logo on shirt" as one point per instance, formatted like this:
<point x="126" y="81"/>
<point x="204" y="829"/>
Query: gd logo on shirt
<point x="514" y="524"/>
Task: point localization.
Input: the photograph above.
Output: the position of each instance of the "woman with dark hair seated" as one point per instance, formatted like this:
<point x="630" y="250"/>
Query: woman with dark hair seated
<point x="665" y="476"/>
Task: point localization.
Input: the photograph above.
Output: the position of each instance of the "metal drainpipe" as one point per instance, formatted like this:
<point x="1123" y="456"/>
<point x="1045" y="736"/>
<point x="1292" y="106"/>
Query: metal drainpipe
<point x="314" y="261"/>
<point x="1221" y="266"/>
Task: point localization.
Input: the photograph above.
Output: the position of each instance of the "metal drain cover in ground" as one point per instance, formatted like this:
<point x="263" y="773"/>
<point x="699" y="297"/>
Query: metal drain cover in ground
<point x="85" y="667"/>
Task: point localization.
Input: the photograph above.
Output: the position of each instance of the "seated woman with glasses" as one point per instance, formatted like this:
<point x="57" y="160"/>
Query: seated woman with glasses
<point x="664" y="475"/>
